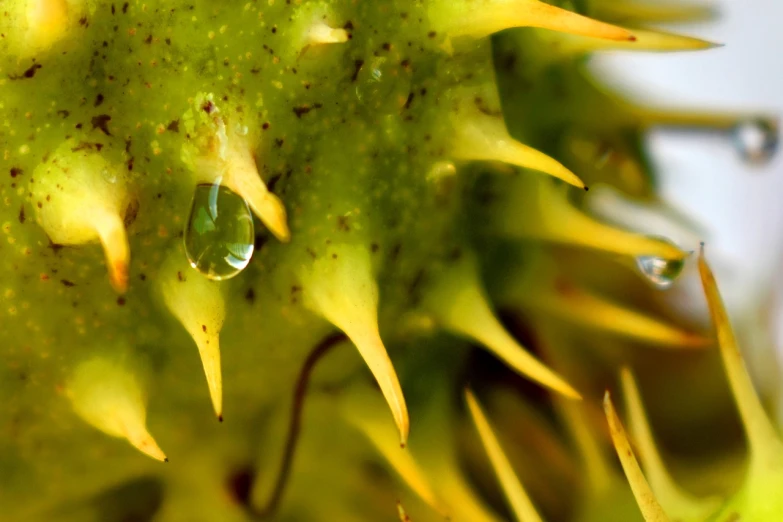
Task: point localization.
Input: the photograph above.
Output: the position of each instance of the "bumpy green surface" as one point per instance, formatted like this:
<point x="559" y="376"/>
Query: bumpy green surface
<point x="358" y="141"/>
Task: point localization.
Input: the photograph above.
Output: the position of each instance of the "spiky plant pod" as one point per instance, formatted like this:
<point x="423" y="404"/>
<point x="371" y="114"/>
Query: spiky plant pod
<point x="304" y="218"/>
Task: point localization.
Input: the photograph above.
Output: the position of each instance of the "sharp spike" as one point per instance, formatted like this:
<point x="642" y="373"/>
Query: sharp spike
<point x="459" y="303"/>
<point x="646" y="40"/>
<point x="198" y="305"/>
<point x="679" y="503"/>
<point x="480" y="19"/>
<point x="706" y="120"/>
<point x="320" y="34"/>
<point x="341" y="289"/>
<point x="515" y="493"/>
<point x="485" y="138"/>
<point x="363" y="412"/>
<point x="765" y="445"/>
<point x="217" y="152"/>
<point x="581" y="307"/>
<point x="109" y="397"/>
<point x="111" y="230"/>
<point x="648" y="504"/>
<point x="241" y="176"/>
<point x="540" y="210"/>
<point x="81" y="198"/>
<point x="647" y="12"/>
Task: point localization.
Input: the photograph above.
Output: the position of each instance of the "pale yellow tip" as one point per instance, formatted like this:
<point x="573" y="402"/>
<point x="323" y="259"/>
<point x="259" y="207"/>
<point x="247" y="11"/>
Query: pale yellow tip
<point x="515" y="493"/>
<point x="645" y="40"/>
<point x="366" y="412"/>
<point x="107" y="394"/>
<point x="272" y="212"/>
<point x="374" y="353"/>
<point x="245" y="180"/>
<point x="114" y="238"/>
<point x="648" y="504"/>
<point x="209" y="350"/>
<point x="458" y="302"/>
<point x="547" y="16"/>
<point x="765" y="445"/>
<point x="342" y="290"/>
<point x="147" y="445"/>
<point x="199" y="306"/>
<point x="485" y="138"/>
<point x="480" y="19"/>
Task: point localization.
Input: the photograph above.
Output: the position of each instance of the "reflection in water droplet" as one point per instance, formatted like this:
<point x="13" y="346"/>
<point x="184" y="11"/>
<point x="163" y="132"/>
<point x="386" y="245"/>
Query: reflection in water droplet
<point x="662" y="273"/>
<point x="756" y="140"/>
<point x="219" y="240"/>
<point x="383" y="85"/>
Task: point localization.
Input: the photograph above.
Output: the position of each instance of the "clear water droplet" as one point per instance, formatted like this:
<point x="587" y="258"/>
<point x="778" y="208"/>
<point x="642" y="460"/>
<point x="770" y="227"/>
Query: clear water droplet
<point x="662" y="273"/>
<point x="220" y="236"/>
<point x="756" y="140"/>
<point x="383" y="85"/>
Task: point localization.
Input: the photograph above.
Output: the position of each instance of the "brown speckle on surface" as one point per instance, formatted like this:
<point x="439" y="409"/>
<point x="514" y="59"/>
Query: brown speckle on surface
<point x="29" y="73"/>
<point x="101" y="122"/>
<point x="250" y="295"/>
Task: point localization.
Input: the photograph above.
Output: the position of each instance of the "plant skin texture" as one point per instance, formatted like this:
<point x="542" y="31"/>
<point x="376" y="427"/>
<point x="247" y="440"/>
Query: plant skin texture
<point x="303" y="219"/>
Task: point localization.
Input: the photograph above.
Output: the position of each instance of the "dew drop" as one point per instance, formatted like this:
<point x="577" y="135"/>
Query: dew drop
<point x="756" y="140"/>
<point x="662" y="273"/>
<point x="219" y="240"/>
<point x="383" y="85"/>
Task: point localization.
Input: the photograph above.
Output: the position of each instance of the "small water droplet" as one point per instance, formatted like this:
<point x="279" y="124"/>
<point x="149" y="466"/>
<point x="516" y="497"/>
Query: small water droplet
<point x="219" y="240"/>
<point x="756" y="140"/>
<point x="383" y="85"/>
<point x="662" y="273"/>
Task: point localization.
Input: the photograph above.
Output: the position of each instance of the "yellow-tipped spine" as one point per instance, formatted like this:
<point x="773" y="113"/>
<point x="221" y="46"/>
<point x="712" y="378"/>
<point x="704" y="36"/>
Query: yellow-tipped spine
<point x="341" y="289"/>
<point x="108" y="395"/>
<point x="480" y="137"/>
<point x="645" y="498"/>
<point x="198" y="305"/>
<point x="765" y="444"/>
<point x="479" y="19"/>
<point x="82" y="198"/>
<point x="459" y="304"/>
<point x="517" y="498"/>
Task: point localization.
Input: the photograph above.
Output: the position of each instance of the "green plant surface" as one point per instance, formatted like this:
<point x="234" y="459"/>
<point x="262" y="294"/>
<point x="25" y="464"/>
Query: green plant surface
<point x="398" y="170"/>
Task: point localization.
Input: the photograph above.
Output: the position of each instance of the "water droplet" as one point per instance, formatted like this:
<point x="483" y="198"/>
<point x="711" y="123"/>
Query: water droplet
<point x="662" y="273"/>
<point x="756" y="140"/>
<point x="219" y="240"/>
<point x="383" y="85"/>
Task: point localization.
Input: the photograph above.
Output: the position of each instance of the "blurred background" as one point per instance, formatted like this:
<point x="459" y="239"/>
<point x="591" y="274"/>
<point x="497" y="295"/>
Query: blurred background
<point x="706" y="177"/>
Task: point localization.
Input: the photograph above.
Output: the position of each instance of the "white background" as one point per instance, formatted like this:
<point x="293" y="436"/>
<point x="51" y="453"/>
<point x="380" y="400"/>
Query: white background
<point x="703" y="175"/>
